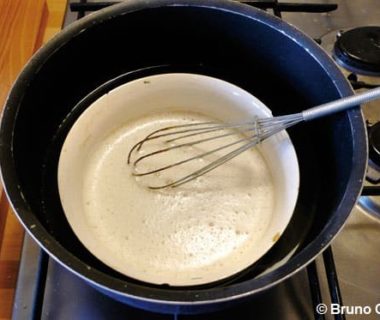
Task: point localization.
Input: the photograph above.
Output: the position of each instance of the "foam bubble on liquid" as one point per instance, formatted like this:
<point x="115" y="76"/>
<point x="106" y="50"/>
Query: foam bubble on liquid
<point x="199" y="226"/>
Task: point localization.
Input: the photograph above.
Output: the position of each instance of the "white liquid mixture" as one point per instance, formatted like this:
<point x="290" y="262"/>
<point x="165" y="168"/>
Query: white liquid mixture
<point x="183" y="234"/>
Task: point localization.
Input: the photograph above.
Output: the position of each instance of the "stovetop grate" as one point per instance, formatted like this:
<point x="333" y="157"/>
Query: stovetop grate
<point x="83" y="7"/>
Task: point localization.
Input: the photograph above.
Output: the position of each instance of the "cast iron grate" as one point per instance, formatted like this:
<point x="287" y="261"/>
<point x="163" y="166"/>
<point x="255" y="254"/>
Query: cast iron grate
<point x="82" y="7"/>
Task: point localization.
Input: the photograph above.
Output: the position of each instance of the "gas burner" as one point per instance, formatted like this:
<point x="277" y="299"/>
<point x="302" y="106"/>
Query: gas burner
<point x="358" y="50"/>
<point x="371" y="204"/>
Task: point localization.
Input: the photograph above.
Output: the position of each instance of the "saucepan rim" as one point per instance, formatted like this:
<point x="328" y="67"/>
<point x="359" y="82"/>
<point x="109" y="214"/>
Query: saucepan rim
<point x="163" y="295"/>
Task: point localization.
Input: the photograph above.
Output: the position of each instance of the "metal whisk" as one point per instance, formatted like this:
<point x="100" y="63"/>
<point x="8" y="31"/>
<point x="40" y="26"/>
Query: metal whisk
<point x="253" y="132"/>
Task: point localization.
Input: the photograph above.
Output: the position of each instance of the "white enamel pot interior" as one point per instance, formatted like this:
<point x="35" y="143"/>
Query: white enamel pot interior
<point x="133" y="100"/>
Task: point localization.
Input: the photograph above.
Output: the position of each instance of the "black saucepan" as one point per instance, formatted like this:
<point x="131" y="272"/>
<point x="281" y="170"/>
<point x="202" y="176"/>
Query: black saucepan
<point x="249" y="48"/>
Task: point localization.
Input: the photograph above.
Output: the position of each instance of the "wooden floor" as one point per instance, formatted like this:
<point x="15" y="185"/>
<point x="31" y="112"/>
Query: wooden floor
<point x="24" y="26"/>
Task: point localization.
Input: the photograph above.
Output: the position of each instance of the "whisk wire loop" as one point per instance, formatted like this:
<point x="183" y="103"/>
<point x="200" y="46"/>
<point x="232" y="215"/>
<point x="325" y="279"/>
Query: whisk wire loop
<point x="258" y="129"/>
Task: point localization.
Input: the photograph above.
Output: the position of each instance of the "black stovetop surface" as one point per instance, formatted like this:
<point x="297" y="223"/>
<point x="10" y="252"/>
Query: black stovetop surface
<point x="46" y="290"/>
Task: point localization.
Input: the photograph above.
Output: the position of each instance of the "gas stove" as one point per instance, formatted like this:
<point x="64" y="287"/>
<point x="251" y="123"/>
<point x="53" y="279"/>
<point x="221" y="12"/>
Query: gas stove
<point x="346" y="274"/>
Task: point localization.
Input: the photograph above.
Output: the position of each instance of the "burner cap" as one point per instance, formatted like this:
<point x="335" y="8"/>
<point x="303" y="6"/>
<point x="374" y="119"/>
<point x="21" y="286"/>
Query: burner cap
<point x="358" y="50"/>
<point x="374" y="143"/>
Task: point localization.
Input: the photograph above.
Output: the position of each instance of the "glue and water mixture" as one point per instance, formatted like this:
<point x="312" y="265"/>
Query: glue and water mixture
<point x="177" y="233"/>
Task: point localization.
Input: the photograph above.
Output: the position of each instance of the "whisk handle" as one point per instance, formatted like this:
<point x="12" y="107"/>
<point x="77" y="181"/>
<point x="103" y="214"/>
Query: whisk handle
<point x="341" y="104"/>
